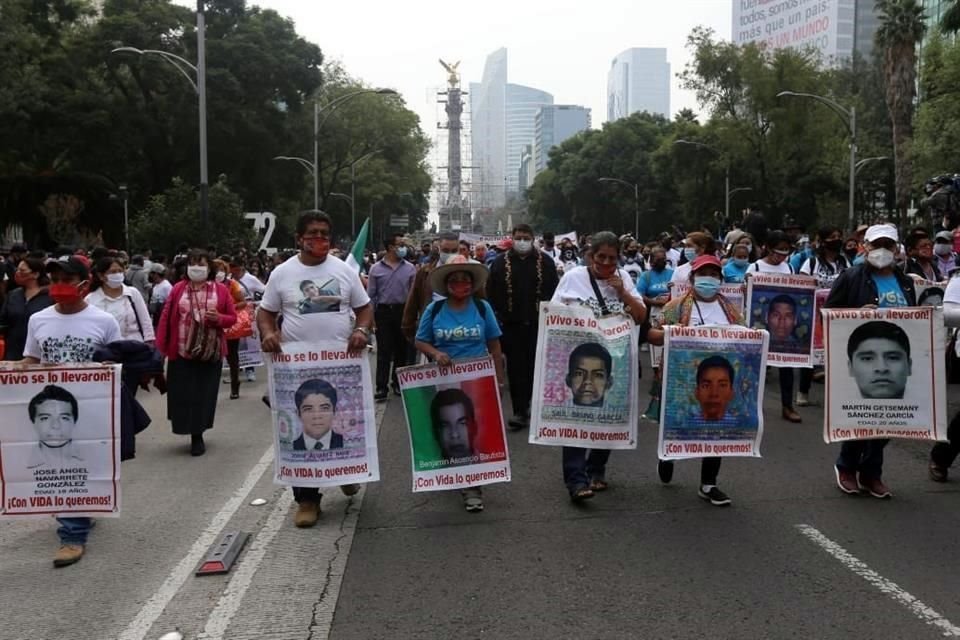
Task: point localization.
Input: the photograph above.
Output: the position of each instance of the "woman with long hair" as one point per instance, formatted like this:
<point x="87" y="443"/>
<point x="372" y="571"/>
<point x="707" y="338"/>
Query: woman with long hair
<point x="190" y="334"/>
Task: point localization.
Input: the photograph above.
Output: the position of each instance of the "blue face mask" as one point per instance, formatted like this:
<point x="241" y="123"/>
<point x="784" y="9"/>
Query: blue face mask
<point x="689" y="253"/>
<point x="401" y="252"/>
<point x="706" y="286"/>
<point x="741" y="263"/>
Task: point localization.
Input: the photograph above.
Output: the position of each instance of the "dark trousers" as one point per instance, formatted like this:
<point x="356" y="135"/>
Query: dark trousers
<point x="709" y="470"/>
<point x="519" y="343"/>
<point x="307" y="494"/>
<point x="233" y="361"/>
<point x="863" y="456"/>
<point x="581" y="465"/>
<point x="391" y="345"/>
<point x="131" y="380"/>
<point x="944" y="453"/>
<point x="786" y="384"/>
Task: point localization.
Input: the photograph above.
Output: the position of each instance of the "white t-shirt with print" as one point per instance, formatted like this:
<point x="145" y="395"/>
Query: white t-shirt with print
<point x="251" y="285"/>
<point x="575" y="288"/>
<point x="126" y="309"/>
<point x="56" y="338"/>
<point x="762" y="266"/>
<point x="316" y="302"/>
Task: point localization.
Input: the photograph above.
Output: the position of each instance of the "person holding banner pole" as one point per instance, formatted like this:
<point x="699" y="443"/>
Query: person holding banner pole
<point x="703" y="304"/>
<point x="69" y="331"/>
<point x="519" y="280"/>
<point x="606" y="289"/>
<point x="460" y="325"/>
<point x="311" y="319"/>
<point x="944" y="453"/>
<point x="877" y="282"/>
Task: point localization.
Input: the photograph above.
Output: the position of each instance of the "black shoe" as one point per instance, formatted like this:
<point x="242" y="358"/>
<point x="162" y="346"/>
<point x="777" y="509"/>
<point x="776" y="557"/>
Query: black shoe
<point x="516" y="423"/>
<point x="716" y="497"/>
<point x="937" y="473"/>
<point x="665" y="471"/>
<point x="197" y="447"/>
<point x="380" y="395"/>
<point x="234" y="395"/>
<point x="396" y="390"/>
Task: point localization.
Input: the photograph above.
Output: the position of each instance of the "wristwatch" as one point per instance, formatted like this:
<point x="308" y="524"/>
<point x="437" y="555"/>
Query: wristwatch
<point x="364" y="330"/>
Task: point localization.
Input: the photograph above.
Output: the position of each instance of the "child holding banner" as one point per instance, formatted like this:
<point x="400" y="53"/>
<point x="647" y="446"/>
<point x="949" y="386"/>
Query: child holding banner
<point x="460" y="326"/>
<point x="702" y="305"/>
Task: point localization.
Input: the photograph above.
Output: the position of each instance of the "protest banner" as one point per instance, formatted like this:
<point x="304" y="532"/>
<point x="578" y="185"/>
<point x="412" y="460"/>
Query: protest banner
<point x="455" y="423"/>
<point x="656" y="317"/>
<point x="885" y="374"/>
<point x="783" y="305"/>
<point x="321" y="399"/>
<point x="819" y="299"/>
<point x="60" y="440"/>
<point x="734" y="292"/>
<point x="929" y="292"/>
<point x="712" y="403"/>
<point x="585" y="387"/>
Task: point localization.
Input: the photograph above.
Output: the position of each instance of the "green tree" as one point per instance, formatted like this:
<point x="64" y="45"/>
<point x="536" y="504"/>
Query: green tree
<point x="938" y="115"/>
<point x="901" y="29"/>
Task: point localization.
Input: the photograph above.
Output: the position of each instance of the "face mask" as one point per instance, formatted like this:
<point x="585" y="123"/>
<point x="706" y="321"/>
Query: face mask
<point x="659" y="265"/>
<point x="221" y="276"/>
<point x="706" y="286"/>
<point x="21" y="278"/>
<point x="460" y="289"/>
<point x="115" y="280"/>
<point x="689" y="253"/>
<point x="317" y="247"/>
<point x="880" y="258"/>
<point x="833" y="245"/>
<point x="401" y="252"/>
<point x="604" y="271"/>
<point x="446" y="257"/>
<point x="741" y="263"/>
<point x="522" y="246"/>
<point x="197" y="273"/>
<point x="63" y="293"/>
<point x="942" y="249"/>
<point x="749" y="248"/>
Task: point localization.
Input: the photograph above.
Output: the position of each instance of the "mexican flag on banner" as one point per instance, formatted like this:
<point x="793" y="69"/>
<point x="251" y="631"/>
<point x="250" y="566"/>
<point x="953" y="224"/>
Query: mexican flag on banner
<point x="355" y="258"/>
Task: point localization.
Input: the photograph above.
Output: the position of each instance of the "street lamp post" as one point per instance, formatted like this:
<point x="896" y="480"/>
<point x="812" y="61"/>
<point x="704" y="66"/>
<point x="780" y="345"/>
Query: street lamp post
<point x="353" y="182"/>
<point x="124" y="193"/>
<point x="636" y="201"/>
<point x="730" y="193"/>
<point x="726" y="176"/>
<point x="849" y="118"/>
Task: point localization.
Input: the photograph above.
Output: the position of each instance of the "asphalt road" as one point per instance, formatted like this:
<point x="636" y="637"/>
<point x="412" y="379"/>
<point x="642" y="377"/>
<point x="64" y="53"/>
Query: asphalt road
<point x="792" y="558"/>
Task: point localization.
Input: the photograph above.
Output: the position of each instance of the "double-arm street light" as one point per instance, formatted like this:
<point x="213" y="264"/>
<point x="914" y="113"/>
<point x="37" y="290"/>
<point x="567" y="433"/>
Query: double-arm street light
<point x="849" y="118"/>
<point x="329" y="108"/>
<point x="862" y="163"/>
<point x="726" y="176"/>
<point x="636" y="201"/>
<point x="199" y="83"/>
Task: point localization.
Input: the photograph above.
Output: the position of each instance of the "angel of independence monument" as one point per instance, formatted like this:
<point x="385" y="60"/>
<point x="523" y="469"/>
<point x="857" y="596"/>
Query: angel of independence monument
<point x="455" y="214"/>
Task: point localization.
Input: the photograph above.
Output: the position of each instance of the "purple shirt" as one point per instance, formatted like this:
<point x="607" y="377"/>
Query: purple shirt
<point x="388" y="284"/>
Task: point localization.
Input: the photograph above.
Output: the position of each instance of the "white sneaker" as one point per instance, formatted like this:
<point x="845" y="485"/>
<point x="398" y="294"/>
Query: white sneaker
<point x="251" y="376"/>
<point x="803" y="400"/>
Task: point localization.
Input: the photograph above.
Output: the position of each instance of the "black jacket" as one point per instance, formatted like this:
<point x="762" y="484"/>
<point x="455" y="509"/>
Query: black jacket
<point x="915" y="268"/>
<point x="855" y="288"/>
<point x="526" y="302"/>
<point x="336" y="442"/>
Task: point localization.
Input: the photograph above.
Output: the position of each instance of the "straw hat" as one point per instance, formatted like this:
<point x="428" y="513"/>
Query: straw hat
<point x="438" y="277"/>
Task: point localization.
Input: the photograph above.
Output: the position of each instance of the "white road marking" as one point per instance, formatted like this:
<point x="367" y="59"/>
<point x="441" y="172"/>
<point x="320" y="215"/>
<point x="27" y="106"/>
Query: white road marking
<point x="230" y="601"/>
<point x="153" y="608"/>
<point x="892" y="589"/>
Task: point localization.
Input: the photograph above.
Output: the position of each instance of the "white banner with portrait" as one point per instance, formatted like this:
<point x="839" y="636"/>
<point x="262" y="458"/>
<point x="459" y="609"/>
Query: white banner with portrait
<point x="60" y="440"/>
<point x="585" y="386"/>
<point x="783" y="305"/>
<point x="321" y="401"/>
<point x="885" y="374"/>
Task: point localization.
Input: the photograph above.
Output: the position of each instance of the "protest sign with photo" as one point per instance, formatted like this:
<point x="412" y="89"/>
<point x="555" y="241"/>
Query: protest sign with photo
<point x="248" y="349"/>
<point x="585" y="387"/>
<point x="819" y="299"/>
<point x="321" y="399"/>
<point x="929" y="292"/>
<point x="60" y="440"/>
<point x="655" y="316"/>
<point x="734" y="292"/>
<point x="885" y="374"/>
<point x="712" y="401"/>
<point x="783" y="305"/>
<point x="455" y="423"/>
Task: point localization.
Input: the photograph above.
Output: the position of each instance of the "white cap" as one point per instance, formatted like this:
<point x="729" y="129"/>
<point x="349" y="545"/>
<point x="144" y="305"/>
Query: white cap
<point x="881" y="231"/>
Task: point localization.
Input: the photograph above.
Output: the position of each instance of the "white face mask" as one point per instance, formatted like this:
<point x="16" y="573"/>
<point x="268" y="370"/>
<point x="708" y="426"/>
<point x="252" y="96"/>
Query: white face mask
<point x="115" y="280"/>
<point x="523" y="246"/>
<point x="221" y="276"/>
<point x="880" y="258"/>
<point x="446" y="257"/>
<point x="197" y="273"/>
<point x="942" y="249"/>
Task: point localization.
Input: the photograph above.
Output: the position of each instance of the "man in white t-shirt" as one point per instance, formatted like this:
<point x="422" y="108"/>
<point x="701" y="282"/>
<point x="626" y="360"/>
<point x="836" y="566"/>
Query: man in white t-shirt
<point x="69" y="332"/>
<point x="318" y="297"/>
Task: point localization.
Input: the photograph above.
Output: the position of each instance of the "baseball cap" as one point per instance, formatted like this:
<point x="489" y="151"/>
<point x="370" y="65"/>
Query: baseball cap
<point x="946" y="236"/>
<point x="878" y="231"/>
<point x="156" y="267"/>
<point x="74" y="265"/>
<point x="862" y="228"/>
<point x="705" y="260"/>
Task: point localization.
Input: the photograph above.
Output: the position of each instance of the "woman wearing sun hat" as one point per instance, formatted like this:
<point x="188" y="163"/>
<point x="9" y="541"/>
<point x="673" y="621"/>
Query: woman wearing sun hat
<point x="460" y="325"/>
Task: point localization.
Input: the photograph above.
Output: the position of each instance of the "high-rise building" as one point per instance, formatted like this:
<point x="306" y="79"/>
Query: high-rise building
<point x="554" y="124"/>
<point x="835" y="28"/>
<point x="522" y="106"/>
<point x="638" y="80"/>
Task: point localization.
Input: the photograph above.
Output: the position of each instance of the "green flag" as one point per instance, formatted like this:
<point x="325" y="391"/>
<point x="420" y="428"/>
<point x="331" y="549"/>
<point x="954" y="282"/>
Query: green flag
<point x="355" y="259"/>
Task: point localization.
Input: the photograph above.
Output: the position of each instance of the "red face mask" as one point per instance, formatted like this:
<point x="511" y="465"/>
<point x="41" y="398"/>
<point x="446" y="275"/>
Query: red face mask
<point x="63" y="293"/>
<point x="317" y="247"/>
<point x="460" y="289"/>
<point x="604" y="271"/>
<point x="21" y="278"/>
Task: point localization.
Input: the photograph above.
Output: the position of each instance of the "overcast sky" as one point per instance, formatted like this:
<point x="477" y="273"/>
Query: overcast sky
<point x="560" y="46"/>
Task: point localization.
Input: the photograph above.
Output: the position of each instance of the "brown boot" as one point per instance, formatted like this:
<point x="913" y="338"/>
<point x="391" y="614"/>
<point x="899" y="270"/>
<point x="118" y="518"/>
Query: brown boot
<point x="790" y="415"/>
<point x="306" y="515"/>
<point x="68" y="554"/>
<point x="350" y="489"/>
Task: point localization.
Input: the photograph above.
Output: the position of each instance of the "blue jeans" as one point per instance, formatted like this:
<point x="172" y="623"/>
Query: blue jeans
<point x="582" y="465"/>
<point x="74" y="530"/>
<point x="863" y="456"/>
